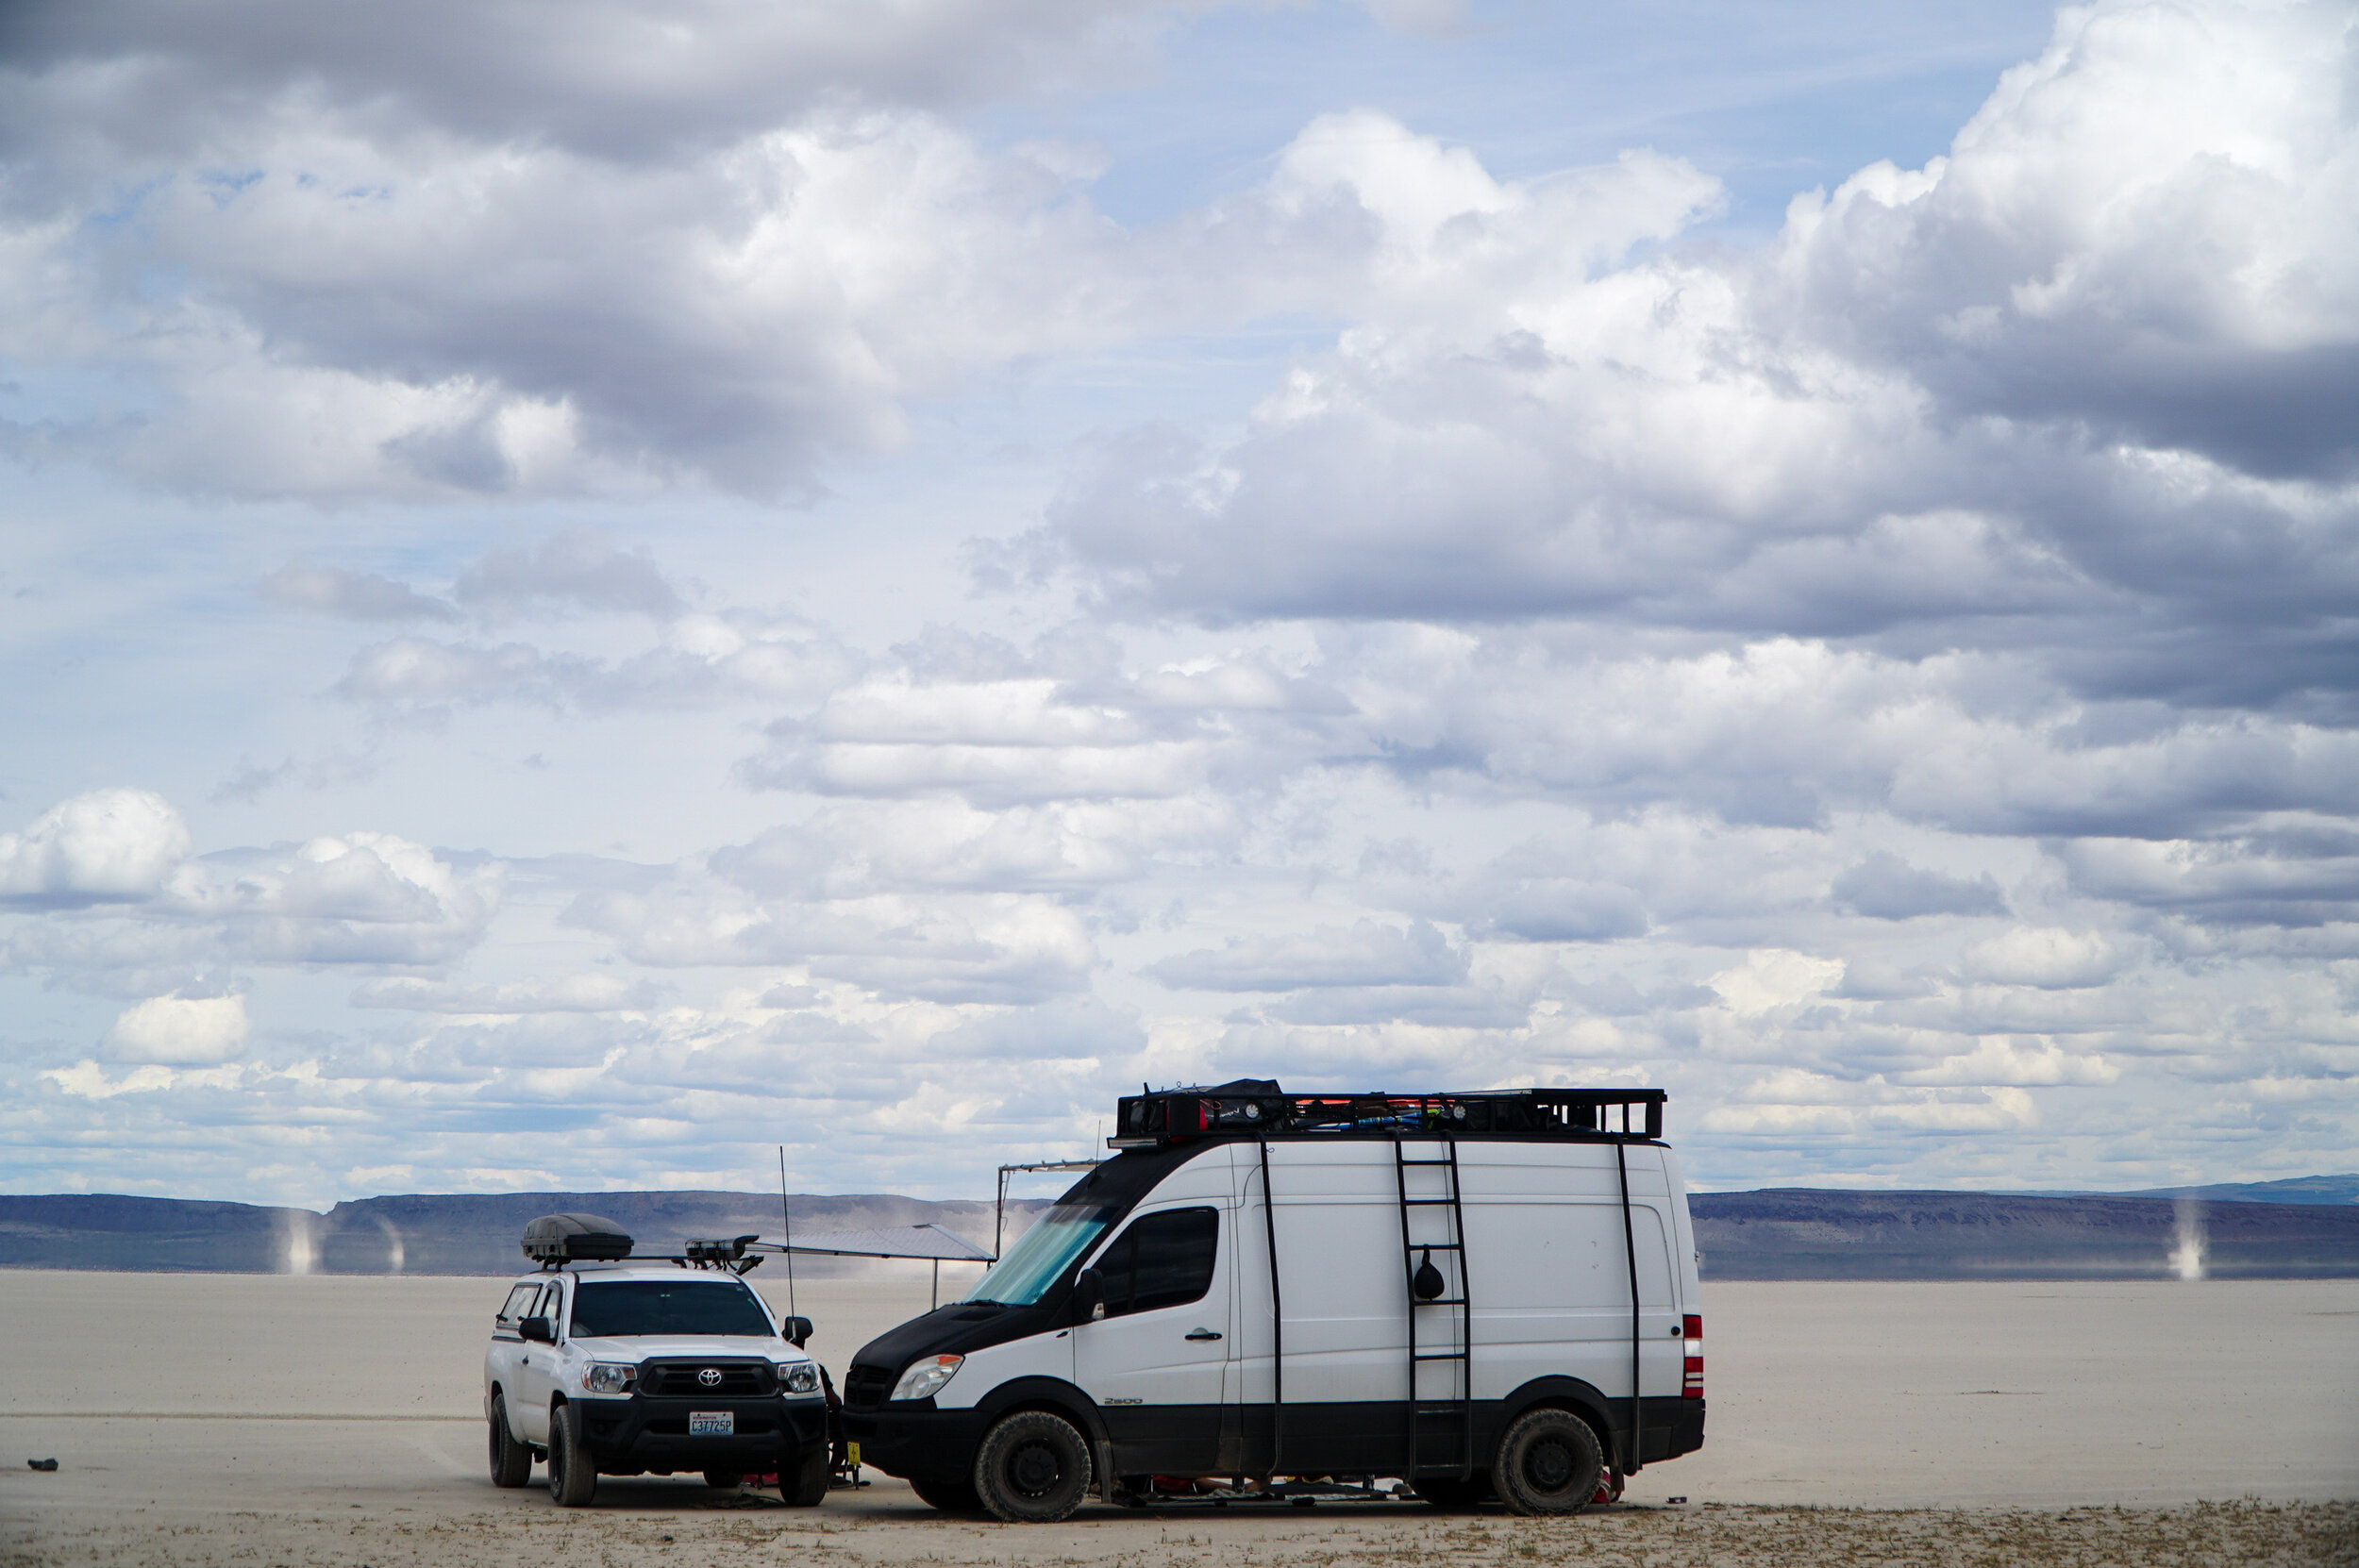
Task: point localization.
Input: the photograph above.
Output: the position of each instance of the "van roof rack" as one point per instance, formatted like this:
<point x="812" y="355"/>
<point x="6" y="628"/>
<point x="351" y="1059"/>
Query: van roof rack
<point x="1257" y="1108"/>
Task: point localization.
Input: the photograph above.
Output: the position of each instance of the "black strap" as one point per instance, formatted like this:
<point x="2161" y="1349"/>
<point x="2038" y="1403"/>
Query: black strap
<point x="1629" y="1250"/>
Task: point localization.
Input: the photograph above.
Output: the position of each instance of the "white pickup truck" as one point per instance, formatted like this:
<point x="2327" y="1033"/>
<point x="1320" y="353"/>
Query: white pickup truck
<point x="650" y="1368"/>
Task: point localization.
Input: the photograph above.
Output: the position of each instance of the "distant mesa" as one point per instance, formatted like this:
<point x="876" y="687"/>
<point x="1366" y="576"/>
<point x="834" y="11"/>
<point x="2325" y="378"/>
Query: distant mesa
<point x="2303" y="1228"/>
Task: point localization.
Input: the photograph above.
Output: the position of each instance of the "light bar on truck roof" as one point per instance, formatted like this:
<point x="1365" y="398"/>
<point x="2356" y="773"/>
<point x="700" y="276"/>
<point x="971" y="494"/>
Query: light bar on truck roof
<point x="1257" y="1107"/>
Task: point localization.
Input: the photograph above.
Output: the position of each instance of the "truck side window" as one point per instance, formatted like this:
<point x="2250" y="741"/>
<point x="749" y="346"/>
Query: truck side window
<point x="1162" y="1261"/>
<point x="515" y="1307"/>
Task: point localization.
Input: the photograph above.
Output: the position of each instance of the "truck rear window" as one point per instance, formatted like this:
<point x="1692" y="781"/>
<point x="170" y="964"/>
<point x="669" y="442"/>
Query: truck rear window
<point x="623" y="1308"/>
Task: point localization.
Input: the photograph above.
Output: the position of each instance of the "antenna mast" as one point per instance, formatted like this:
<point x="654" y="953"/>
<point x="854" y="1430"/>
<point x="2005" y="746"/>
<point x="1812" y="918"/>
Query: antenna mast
<point x="786" y="1217"/>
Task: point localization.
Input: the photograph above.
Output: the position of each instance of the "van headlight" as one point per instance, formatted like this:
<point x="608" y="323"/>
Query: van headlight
<point x="925" y="1377"/>
<point x="609" y="1378"/>
<point x="799" y="1376"/>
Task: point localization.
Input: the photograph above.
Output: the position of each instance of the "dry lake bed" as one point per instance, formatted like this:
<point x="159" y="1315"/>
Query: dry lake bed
<point x="252" y="1419"/>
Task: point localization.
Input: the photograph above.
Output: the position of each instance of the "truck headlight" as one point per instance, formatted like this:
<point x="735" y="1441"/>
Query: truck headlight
<point x="609" y="1378"/>
<point x="799" y="1376"/>
<point x="923" y="1378"/>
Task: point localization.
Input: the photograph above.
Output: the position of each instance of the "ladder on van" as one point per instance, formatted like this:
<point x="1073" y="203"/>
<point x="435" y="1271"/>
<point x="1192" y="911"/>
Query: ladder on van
<point x="1429" y="1290"/>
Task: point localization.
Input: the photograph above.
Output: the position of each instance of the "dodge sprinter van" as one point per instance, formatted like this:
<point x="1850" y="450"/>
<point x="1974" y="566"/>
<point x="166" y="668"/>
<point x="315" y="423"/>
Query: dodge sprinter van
<point x="1476" y="1295"/>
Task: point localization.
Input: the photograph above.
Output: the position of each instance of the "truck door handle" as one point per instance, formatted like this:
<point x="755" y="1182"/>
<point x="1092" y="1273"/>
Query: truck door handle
<point x="1200" y="1334"/>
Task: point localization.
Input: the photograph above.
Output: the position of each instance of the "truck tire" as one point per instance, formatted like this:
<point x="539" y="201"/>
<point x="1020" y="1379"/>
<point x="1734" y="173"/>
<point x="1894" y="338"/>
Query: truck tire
<point x="1549" y="1462"/>
<point x="511" y="1461"/>
<point x="1450" y="1492"/>
<point x="1033" y="1468"/>
<point x="804" y="1483"/>
<point x="573" y="1474"/>
<point x="949" y="1496"/>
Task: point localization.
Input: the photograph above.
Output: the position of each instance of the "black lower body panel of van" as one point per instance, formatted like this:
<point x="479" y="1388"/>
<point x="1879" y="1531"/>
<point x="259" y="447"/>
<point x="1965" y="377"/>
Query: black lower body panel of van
<point x="917" y="1442"/>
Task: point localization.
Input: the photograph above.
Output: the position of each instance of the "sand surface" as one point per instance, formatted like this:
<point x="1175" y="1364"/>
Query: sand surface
<point x="218" y="1418"/>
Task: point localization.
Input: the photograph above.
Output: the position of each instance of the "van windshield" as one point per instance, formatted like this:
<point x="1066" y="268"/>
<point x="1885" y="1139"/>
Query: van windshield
<point x="1031" y="1266"/>
<point x="633" y="1307"/>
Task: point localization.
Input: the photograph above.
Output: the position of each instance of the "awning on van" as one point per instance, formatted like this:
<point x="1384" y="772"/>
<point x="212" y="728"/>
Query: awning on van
<point x="900" y="1240"/>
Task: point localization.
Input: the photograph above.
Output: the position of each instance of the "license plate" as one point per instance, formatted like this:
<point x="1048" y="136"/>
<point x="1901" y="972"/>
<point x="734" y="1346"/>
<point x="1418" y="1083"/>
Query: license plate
<point x="713" y="1423"/>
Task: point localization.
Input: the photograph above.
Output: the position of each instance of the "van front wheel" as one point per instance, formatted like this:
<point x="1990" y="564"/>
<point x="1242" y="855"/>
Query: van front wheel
<point x="1033" y="1468"/>
<point x="1549" y="1462"/>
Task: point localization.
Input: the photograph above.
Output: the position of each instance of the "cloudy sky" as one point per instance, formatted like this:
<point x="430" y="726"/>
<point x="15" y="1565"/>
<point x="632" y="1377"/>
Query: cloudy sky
<point x="592" y="588"/>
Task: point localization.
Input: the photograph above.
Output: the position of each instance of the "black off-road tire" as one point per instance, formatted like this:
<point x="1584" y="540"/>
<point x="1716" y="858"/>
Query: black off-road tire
<point x="1033" y="1468"/>
<point x="573" y="1474"/>
<point x="1549" y="1462"/>
<point x="804" y="1482"/>
<point x="1452" y="1494"/>
<point x="721" y="1480"/>
<point x="949" y="1496"/>
<point x="511" y="1461"/>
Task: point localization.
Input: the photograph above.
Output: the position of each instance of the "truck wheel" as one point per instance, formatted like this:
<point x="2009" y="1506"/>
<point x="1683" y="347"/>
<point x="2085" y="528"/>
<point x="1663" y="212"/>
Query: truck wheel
<point x="1450" y="1492"/>
<point x="573" y="1474"/>
<point x="804" y="1483"/>
<point x="511" y="1461"/>
<point x="1549" y="1462"/>
<point x="949" y="1496"/>
<point x="1033" y="1468"/>
<point x="721" y="1480"/>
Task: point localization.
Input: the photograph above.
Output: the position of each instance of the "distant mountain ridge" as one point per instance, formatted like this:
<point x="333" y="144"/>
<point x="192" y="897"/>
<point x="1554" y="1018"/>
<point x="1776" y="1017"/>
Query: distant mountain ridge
<point x="1796" y="1233"/>
<point x="2314" y="1189"/>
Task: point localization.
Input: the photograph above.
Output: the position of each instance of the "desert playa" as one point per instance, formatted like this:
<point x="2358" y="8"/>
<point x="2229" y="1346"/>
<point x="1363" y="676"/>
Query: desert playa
<point x="335" y="1420"/>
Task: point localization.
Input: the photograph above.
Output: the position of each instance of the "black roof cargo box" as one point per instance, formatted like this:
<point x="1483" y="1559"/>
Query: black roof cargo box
<point x="574" y="1239"/>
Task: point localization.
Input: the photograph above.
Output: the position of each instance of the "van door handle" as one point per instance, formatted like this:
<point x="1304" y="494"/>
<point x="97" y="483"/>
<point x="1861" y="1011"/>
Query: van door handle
<point x="1200" y="1334"/>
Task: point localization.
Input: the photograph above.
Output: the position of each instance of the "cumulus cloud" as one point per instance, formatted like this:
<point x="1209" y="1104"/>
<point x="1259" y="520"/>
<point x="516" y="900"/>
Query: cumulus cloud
<point x="179" y="1031"/>
<point x="109" y="845"/>
<point x="1366" y="954"/>
<point x="2044" y="955"/>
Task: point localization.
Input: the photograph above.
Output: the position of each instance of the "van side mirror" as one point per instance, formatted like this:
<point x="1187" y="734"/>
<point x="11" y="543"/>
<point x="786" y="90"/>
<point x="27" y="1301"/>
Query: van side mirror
<point x="794" y="1330"/>
<point x="538" y="1330"/>
<point x="1089" y="1294"/>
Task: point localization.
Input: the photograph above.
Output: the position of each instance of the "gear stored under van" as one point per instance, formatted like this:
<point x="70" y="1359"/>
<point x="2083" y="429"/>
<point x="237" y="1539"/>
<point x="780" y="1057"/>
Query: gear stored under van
<point x="1473" y="1294"/>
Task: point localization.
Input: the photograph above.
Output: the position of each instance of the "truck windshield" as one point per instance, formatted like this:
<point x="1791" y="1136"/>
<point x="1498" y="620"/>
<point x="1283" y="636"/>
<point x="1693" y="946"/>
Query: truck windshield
<point x="1034" y="1263"/>
<point x="641" y="1306"/>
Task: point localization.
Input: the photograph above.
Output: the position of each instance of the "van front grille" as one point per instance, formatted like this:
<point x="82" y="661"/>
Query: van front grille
<point x="865" y="1387"/>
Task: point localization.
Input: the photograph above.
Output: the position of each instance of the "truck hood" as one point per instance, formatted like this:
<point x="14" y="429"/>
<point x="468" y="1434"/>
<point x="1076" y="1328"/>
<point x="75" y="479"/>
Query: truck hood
<point x="640" y="1348"/>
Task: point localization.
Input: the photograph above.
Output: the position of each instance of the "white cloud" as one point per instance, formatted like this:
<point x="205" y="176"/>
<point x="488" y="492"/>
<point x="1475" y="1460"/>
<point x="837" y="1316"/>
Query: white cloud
<point x="106" y="845"/>
<point x="177" y="1031"/>
<point x="2044" y="955"/>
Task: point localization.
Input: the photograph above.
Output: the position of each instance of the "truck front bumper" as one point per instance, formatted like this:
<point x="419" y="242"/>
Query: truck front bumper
<point x="641" y="1433"/>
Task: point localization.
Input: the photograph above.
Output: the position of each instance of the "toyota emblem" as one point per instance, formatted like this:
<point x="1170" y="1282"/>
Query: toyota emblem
<point x="710" y="1376"/>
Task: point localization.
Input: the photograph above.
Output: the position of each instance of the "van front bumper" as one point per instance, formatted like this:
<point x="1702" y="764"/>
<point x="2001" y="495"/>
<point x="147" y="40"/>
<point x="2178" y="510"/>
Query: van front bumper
<point x="915" y="1440"/>
<point x="642" y="1433"/>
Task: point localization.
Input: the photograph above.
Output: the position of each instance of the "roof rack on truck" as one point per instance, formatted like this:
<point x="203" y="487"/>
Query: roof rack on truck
<point x="1257" y="1107"/>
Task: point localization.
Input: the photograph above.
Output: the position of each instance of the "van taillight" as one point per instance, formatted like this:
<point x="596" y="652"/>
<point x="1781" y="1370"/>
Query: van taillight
<point x="1692" y="1372"/>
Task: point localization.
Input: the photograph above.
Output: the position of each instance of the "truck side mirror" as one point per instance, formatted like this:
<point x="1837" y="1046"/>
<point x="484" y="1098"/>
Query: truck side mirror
<point x="538" y="1330"/>
<point x="794" y="1331"/>
<point x="1089" y="1293"/>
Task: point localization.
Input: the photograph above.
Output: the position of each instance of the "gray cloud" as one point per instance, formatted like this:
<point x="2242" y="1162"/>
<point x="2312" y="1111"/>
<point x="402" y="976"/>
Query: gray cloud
<point x="1885" y="886"/>
<point x="353" y="596"/>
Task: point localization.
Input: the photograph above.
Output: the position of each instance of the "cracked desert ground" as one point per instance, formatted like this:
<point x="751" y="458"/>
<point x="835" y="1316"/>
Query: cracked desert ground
<point x="261" y="1420"/>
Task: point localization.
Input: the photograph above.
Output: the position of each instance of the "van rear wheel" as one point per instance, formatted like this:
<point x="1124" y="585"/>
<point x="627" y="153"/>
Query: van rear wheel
<point x="1033" y="1468"/>
<point x="1549" y="1462"/>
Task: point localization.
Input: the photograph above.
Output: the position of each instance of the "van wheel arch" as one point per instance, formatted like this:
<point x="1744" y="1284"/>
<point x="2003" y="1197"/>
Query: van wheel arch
<point x="1051" y="1394"/>
<point x="1572" y="1396"/>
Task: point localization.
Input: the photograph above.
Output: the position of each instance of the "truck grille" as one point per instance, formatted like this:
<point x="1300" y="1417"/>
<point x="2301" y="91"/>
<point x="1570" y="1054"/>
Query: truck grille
<point x="675" y="1379"/>
<point x="865" y="1387"/>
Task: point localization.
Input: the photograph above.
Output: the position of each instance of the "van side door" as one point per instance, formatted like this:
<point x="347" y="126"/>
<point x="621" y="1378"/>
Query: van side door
<point x="1158" y="1362"/>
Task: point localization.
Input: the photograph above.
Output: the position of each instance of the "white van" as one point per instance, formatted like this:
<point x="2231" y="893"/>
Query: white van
<point x="1475" y="1293"/>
